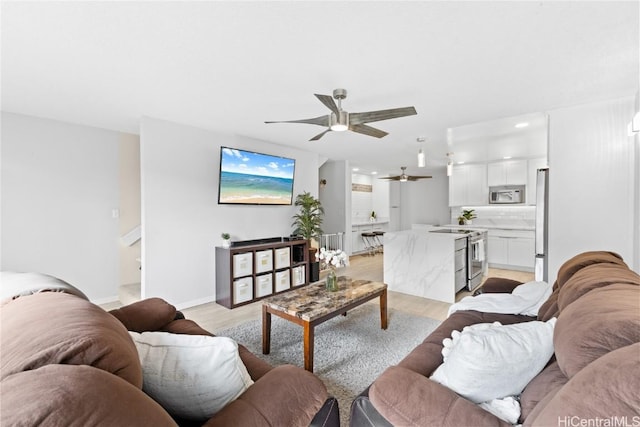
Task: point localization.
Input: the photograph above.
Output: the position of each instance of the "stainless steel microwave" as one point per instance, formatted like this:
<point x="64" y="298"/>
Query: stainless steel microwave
<point x="506" y="194"/>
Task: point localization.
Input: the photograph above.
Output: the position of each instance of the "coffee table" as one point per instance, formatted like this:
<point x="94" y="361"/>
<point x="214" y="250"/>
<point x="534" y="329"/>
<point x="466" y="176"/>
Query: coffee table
<point x="311" y="305"/>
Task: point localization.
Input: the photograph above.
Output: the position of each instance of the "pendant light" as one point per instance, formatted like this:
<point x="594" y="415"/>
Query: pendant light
<point x="449" y="164"/>
<point x="422" y="160"/>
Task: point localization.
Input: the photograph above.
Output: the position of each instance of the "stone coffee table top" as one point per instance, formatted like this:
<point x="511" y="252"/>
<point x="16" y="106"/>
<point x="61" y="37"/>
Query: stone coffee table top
<point x="312" y="302"/>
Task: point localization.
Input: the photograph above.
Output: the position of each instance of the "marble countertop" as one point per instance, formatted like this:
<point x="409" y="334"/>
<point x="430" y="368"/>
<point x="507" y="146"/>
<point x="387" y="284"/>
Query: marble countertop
<point x="427" y="233"/>
<point x="361" y="223"/>
<point x="491" y="227"/>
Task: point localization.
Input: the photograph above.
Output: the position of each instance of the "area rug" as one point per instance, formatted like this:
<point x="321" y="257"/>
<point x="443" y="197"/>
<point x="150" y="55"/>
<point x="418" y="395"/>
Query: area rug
<point x="350" y="351"/>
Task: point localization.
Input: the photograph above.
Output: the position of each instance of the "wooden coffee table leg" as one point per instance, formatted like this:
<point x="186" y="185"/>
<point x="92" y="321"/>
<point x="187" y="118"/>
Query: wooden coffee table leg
<point x="266" y="330"/>
<point x="308" y="346"/>
<point x="383" y="309"/>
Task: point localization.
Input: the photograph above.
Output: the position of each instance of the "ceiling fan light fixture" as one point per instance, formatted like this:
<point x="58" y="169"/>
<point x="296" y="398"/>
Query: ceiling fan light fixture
<point x="422" y="161"/>
<point x="403" y="178"/>
<point x="340" y="122"/>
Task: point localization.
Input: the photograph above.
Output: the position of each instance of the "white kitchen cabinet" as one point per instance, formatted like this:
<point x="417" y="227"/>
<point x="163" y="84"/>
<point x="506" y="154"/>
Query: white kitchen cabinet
<point x="508" y="172"/>
<point x="497" y="250"/>
<point x="511" y="249"/>
<point x="522" y="252"/>
<point x="468" y="185"/>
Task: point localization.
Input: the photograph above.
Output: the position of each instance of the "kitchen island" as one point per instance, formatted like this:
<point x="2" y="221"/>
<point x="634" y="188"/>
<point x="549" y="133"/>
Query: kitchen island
<point x="422" y="263"/>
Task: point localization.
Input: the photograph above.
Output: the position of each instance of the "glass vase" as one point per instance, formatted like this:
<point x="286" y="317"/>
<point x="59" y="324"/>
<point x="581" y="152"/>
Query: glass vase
<point x="331" y="283"/>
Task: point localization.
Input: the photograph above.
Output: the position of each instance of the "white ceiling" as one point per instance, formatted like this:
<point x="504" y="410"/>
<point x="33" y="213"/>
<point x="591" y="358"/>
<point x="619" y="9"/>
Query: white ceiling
<point x="228" y="66"/>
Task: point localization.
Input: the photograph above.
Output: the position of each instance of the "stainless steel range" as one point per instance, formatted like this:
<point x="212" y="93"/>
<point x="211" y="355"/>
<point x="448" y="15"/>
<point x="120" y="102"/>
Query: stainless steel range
<point x="475" y="256"/>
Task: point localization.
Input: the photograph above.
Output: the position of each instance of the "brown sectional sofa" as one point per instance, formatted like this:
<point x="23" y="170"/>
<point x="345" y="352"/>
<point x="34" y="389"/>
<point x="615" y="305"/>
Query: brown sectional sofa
<point x="594" y="373"/>
<point x="67" y="362"/>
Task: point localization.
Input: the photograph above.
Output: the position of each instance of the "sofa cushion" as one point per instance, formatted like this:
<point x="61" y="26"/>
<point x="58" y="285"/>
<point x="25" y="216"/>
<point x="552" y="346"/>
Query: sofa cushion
<point x="285" y="396"/>
<point x="551" y="378"/>
<point x="550" y="308"/>
<point x="255" y="366"/>
<point x="593" y="277"/>
<point x="66" y="395"/>
<point x="606" y="388"/>
<point x="406" y="398"/>
<point x="580" y="261"/>
<point x="192" y="376"/>
<point x="59" y="328"/>
<point x="601" y="321"/>
<point x="16" y="285"/>
<point x="492" y="361"/>
<point x="150" y="314"/>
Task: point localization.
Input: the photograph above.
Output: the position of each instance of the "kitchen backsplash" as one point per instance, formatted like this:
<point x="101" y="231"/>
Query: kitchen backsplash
<point x="508" y="216"/>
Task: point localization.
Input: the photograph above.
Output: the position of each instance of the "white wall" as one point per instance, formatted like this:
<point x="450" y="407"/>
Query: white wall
<point x="181" y="219"/>
<point x="361" y="201"/>
<point x="422" y="202"/>
<point x="129" y="185"/>
<point x="59" y="187"/>
<point x="592" y="181"/>
<point x="335" y="196"/>
<point x="380" y="197"/>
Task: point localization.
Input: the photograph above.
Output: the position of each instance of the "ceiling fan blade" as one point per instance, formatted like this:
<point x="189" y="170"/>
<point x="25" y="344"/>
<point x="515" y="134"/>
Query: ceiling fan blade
<point x="368" y="130"/>
<point x="376" y="116"/>
<point x="392" y="178"/>
<point x="415" y="178"/>
<point x="320" y="135"/>
<point x="329" y="103"/>
<point x="320" y="121"/>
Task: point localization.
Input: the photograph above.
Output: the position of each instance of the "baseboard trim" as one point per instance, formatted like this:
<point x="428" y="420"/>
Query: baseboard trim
<point x="511" y="267"/>
<point x="195" y="302"/>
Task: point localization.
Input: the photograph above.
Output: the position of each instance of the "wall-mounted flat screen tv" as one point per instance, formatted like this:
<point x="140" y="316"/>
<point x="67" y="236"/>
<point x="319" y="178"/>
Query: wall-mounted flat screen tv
<point x="248" y="178"/>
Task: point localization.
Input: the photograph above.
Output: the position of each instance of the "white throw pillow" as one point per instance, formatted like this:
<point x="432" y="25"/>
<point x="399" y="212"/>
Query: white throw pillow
<point x="490" y="361"/>
<point x="192" y="376"/>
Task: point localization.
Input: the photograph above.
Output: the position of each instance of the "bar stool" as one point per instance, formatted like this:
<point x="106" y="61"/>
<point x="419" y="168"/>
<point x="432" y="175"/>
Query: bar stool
<point x="369" y="239"/>
<point x="380" y="243"/>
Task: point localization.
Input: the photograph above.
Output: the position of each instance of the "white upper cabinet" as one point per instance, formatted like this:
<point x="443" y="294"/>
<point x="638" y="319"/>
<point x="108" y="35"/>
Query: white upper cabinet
<point x="468" y="185"/>
<point x="508" y="172"/>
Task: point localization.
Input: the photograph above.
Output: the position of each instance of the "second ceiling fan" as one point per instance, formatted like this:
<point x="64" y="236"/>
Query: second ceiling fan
<point x="403" y="177"/>
<point x="340" y="120"/>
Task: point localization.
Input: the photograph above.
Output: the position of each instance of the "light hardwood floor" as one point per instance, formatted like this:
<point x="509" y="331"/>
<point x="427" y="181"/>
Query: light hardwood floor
<point x="214" y="317"/>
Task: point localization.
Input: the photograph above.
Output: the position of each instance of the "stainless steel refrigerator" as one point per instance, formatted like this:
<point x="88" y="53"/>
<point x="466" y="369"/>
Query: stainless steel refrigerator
<point x="542" y="229"/>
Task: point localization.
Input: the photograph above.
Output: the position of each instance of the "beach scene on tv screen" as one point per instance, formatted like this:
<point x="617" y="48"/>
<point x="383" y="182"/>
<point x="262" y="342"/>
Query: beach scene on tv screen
<point x="254" y="178"/>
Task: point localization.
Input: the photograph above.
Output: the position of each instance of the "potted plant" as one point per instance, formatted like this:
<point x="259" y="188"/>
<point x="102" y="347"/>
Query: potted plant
<point x="307" y="224"/>
<point x="468" y="215"/>
<point x="226" y="242"/>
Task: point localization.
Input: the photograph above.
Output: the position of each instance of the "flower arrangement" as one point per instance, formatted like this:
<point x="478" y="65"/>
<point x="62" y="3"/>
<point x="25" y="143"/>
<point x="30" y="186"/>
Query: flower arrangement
<point x="332" y="259"/>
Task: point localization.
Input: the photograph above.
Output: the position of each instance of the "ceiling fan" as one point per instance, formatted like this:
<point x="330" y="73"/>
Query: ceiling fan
<point x="403" y="177"/>
<point x="340" y="120"/>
